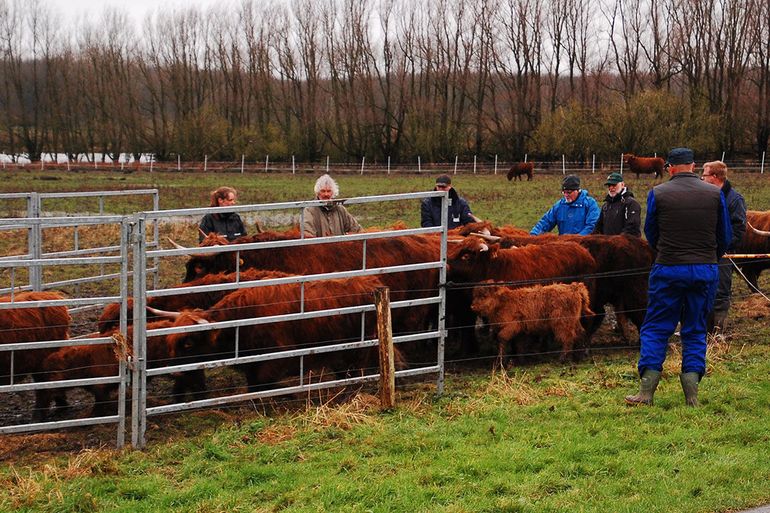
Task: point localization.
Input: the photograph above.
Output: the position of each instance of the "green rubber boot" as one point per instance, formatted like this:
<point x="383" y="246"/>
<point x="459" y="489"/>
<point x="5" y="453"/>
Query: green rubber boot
<point x="690" y="382"/>
<point x="647" y="386"/>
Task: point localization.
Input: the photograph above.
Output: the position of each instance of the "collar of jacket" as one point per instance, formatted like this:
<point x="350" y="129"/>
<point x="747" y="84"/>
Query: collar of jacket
<point x="621" y="196"/>
<point x="726" y="187"/>
<point x="579" y="201"/>
<point x="452" y="195"/>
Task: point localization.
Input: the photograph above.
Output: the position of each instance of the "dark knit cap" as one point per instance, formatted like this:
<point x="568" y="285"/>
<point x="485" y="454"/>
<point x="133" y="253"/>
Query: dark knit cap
<point x="571" y="182"/>
<point x="444" y="179"/>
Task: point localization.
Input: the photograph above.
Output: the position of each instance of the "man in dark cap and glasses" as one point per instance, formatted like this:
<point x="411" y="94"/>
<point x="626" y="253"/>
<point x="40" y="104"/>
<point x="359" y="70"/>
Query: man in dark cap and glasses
<point x="621" y="213"/>
<point x="575" y="213"/>
<point x="688" y="225"/>
<point x="459" y="210"/>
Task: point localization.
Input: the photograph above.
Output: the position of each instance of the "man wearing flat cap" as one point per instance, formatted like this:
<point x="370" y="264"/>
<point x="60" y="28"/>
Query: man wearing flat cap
<point x="688" y="225"/>
<point x="459" y="210"/>
<point x="621" y="213"/>
<point x="575" y="213"/>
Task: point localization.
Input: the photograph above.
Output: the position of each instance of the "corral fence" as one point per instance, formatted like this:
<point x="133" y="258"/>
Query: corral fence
<point x="145" y="254"/>
<point x="84" y="266"/>
<point x="40" y="207"/>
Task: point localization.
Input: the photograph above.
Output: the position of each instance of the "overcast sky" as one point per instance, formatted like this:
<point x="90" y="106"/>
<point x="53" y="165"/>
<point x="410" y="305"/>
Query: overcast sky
<point x="136" y="8"/>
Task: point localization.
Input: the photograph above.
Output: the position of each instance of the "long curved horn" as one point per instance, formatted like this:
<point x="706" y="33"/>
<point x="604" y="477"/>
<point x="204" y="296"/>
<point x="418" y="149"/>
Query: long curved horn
<point x="758" y="232"/>
<point x="88" y="335"/>
<point x="202" y="232"/>
<point x="163" y="313"/>
<point x="175" y="244"/>
<point x="485" y="236"/>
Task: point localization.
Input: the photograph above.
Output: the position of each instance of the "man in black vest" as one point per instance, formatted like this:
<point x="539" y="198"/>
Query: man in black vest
<point x="688" y="225"/>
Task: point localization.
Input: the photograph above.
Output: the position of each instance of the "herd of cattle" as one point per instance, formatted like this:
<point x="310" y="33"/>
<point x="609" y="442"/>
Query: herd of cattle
<point x="527" y="291"/>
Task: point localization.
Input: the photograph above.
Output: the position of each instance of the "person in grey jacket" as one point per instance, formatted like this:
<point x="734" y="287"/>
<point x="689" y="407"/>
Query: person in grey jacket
<point x="715" y="173"/>
<point x="329" y="219"/>
<point x="621" y="213"/>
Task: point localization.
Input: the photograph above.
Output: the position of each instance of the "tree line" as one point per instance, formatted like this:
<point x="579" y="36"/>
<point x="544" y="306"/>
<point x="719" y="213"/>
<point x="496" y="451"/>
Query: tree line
<point x="389" y="79"/>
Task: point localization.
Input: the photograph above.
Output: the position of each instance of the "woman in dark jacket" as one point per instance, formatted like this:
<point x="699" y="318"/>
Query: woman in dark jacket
<point x="228" y="224"/>
<point x="621" y="213"/>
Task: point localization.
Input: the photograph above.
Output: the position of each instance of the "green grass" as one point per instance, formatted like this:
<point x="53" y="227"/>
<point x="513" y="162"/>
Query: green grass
<point x="542" y="438"/>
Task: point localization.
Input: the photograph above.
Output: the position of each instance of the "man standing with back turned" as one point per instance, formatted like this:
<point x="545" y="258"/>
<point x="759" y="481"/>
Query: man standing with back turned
<point x="688" y="224"/>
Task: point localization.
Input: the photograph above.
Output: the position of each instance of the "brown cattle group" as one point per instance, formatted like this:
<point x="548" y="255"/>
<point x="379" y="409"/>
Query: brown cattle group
<point x="528" y="291"/>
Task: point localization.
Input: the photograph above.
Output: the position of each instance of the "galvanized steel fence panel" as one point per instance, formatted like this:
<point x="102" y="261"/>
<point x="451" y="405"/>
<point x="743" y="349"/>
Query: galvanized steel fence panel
<point x="140" y="410"/>
<point x="122" y="376"/>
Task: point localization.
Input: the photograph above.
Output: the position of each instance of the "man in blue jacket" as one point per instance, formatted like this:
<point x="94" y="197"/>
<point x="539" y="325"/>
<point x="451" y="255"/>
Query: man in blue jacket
<point x="688" y="225"/>
<point x="575" y="213"/>
<point x="715" y="173"/>
<point x="459" y="210"/>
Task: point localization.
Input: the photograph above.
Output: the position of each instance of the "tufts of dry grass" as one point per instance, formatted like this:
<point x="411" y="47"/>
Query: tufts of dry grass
<point x="510" y="386"/>
<point x="359" y="410"/>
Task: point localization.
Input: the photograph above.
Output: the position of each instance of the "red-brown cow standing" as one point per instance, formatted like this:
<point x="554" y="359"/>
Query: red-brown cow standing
<point x="344" y="256"/>
<point x="521" y="168"/>
<point x="754" y="243"/>
<point x="551" y="310"/>
<point x="644" y="165"/>
<point x="30" y="324"/>
<point x="265" y="338"/>
<point x="474" y="260"/>
<point x="623" y="264"/>
<point x="110" y="318"/>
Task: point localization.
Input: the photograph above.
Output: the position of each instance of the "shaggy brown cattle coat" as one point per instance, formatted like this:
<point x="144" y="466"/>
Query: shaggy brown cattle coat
<point x="285" y="299"/>
<point x="110" y="318"/>
<point x="623" y="264"/>
<point x="30" y="325"/>
<point x="95" y="361"/>
<point x="644" y="165"/>
<point x="474" y="260"/>
<point x="344" y="256"/>
<point x="540" y="310"/>
<point x="521" y="168"/>
<point x="754" y="243"/>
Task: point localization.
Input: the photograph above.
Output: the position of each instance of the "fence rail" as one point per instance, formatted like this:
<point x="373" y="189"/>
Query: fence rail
<point x="133" y="370"/>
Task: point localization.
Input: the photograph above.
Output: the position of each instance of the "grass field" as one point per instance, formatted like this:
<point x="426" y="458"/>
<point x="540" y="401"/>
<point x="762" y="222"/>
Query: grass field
<point x="546" y="437"/>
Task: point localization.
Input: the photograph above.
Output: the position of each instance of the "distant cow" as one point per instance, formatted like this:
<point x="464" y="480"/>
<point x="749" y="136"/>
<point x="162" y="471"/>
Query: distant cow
<point x="644" y="165"/>
<point x="550" y="310"/>
<point x="521" y="168"/>
<point x="755" y="241"/>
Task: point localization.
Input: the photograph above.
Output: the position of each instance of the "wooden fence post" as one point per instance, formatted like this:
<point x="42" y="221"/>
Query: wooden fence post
<point x="385" y="335"/>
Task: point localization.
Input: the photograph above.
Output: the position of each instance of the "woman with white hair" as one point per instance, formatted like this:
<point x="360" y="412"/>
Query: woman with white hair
<point x="330" y="219"/>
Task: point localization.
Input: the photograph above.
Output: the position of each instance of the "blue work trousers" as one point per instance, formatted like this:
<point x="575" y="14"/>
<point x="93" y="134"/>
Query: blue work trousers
<point x="678" y="294"/>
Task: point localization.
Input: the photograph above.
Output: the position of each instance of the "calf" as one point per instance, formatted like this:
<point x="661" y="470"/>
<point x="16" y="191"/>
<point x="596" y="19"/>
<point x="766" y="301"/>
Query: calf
<point x="99" y="361"/>
<point x="547" y="310"/>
